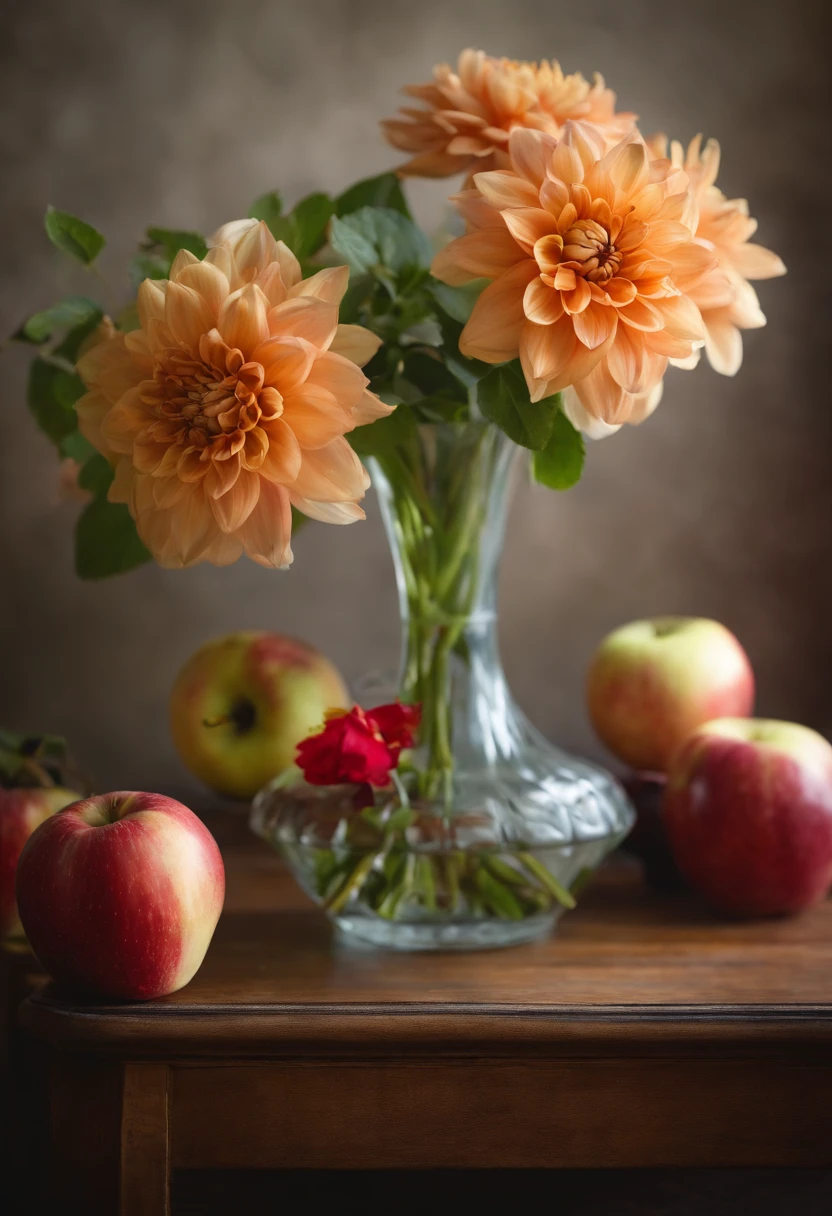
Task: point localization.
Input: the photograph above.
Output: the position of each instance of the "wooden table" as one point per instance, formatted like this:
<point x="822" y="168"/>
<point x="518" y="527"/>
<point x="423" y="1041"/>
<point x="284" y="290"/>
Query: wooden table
<point x="646" y="1033"/>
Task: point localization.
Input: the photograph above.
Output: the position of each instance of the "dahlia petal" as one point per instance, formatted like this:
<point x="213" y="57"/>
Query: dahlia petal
<point x="528" y="225"/>
<point x="328" y="512"/>
<point x="221" y="476"/>
<point x="531" y="153"/>
<point x="469" y="145"/>
<point x="434" y="164"/>
<point x="501" y="189"/>
<point x="542" y="304"/>
<point x="328" y="285"/>
<point x="486" y="253"/>
<point x="242" y="322"/>
<point x="370" y="408"/>
<point x="640" y="315"/>
<point x="223" y="550"/>
<point x="305" y="317"/>
<point x="273" y="285"/>
<point x="283" y="458"/>
<point x="620" y="291"/>
<point x="92" y="409"/>
<point x="549" y="348"/>
<point x="286" y="361"/>
<point x="331" y="474"/>
<point x="602" y="397"/>
<point x="192" y="527"/>
<point x="229" y="234"/>
<point x="577" y="300"/>
<point x="691" y="263"/>
<point x="582" y="420"/>
<point x="183" y="258"/>
<point x="267" y="532"/>
<point x="123" y="424"/>
<point x="716" y="290"/>
<point x="315" y="415"/>
<point x="340" y="377"/>
<point x="355" y="343"/>
<point x="723" y="346"/>
<point x="595" y="325"/>
<point x="254" y="451"/>
<point x="745" y="310"/>
<point x="681" y="317"/>
<point x="631" y="363"/>
<point x="209" y="281"/>
<point x="235" y="506"/>
<point x="565" y="164"/>
<point x="289" y="265"/>
<point x="150" y="301"/>
<point x="254" y="250"/>
<point x="494" y="327"/>
<point x="755" y="262"/>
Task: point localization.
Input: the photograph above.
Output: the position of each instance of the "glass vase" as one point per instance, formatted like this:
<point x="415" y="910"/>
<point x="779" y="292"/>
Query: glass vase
<point x="489" y="831"/>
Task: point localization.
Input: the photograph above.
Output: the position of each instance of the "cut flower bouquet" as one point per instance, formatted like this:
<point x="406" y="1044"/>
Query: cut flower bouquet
<point x="263" y="375"/>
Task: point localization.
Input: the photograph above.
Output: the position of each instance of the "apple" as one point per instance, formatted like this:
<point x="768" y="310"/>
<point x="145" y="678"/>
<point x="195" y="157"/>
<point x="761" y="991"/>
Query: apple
<point x="242" y="703"/>
<point x="748" y="813"/>
<point x="652" y="683"/>
<point x="120" y="894"/>
<point x="21" y="811"/>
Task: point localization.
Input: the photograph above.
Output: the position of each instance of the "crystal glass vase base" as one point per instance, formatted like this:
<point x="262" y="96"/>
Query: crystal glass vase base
<point x="489" y="831"/>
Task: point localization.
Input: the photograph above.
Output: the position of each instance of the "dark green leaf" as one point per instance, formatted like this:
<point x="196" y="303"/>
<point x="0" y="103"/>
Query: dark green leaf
<point x="47" y="396"/>
<point x="382" y="191"/>
<point x="96" y="476"/>
<point x="76" y="447"/>
<point x="384" y="435"/>
<point x="503" y="398"/>
<point x="561" y="462"/>
<point x="457" y="302"/>
<point x="73" y="236"/>
<point x="68" y="388"/>
<point x="106" y="541"/>
<point x="268" y="207"/>
<point x="173" y="239"/>
<point x="69" y="314"/>
<point x="75" y="338"/>
<point x="299" y="520"/>
<point x="309" y="221"/>
<point x="432" y="375"/>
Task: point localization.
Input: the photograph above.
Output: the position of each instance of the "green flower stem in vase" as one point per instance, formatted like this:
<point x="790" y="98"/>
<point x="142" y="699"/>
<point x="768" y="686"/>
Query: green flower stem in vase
<point x="485" y="828"/>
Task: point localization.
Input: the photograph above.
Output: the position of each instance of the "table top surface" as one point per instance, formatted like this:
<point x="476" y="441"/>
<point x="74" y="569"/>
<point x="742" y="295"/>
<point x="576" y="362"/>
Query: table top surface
<point x="276" y="971"/>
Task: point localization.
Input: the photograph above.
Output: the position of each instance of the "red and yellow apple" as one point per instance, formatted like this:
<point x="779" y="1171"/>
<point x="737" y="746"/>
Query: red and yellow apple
<point x="120" y="894"/>
<point x="242" y="703"/>
<point x="652" y="683"/>
<point x="748" y="814"/>
<point x="21" y="811"/>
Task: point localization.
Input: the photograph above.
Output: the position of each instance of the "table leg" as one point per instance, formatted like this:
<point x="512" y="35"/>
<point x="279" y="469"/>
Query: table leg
<point x="85" y="1101"/>
<point x="145" y="1141"/>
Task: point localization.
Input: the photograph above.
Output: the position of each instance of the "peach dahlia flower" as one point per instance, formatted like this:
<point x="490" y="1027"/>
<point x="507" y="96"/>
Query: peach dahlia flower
<point x="592" y="261"/>
<point x="467" y="115"/>
<point x="230" y="403"/>
<point x="727" y="301"/>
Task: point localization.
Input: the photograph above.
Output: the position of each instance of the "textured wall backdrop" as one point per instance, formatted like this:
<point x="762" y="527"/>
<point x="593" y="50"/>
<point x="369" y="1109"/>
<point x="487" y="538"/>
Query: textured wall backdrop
<point x="180" y="112"/>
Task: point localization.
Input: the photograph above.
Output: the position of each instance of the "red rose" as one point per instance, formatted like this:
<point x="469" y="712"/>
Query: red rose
<point x="396" y="723"/>
<point x="358" y="747"/>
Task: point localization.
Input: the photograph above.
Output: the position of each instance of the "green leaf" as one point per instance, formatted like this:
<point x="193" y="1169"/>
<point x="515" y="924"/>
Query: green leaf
<point x="308" y="222"/>
<point x="106" y="541"/>
<point x="268" y="207"/>
<point x="75" y="338"/>
<point x="76" y="447"/>
<point x="173" y="239"/>
<point x="379" y="237"/>
<point x="148" y="265"/>
<point x="68" y="389"/>
<point x="299" y="520"/>
<point x="96" y="476"/>
<point x="73" y="236"/>
<point x="560" y="464"/>
<point x="356" y="249"/>
<point x="503" y="398"/>
<point x="49" y="397"/>
<point x="68" y="314"/>
<point x="432" y="375"/>
<point x="384" y="435"/>
<point x="457" y="302"/>
<point x="382" y="191"/>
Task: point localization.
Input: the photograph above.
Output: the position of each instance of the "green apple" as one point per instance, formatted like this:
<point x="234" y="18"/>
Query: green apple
<point x="242" y="703"/>
<point x="651" y="684"/>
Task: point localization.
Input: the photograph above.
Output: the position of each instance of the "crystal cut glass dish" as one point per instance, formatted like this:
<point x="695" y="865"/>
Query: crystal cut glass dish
<point x="489" y="831"/>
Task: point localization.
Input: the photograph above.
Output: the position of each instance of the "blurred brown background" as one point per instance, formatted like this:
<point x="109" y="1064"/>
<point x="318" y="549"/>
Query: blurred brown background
<point x="180" y="112"/>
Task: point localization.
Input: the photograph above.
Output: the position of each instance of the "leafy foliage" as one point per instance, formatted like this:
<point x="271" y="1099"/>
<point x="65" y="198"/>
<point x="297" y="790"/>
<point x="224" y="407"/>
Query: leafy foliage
<point x="73" y="236"/>
<point x="106" y="541"/>
<point x="304" y="229"/>
<point x="504" y="400"/>
<point x="560" y="464"/>
<point x="382" y="191"/>
<point x="72" y="314"/>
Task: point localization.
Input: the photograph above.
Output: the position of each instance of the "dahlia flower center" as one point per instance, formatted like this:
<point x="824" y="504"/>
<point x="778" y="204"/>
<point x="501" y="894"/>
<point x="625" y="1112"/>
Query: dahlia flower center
<point x="205" y="406"/>
<point x="589" y="251"/>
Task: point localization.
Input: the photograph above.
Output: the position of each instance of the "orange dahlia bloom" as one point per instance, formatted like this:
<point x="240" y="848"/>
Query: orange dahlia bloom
<point x="230" y="403"/>
<point x="727" y="301"/>
<point x="467" y="115"/>
<point x="593" y="262"/>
